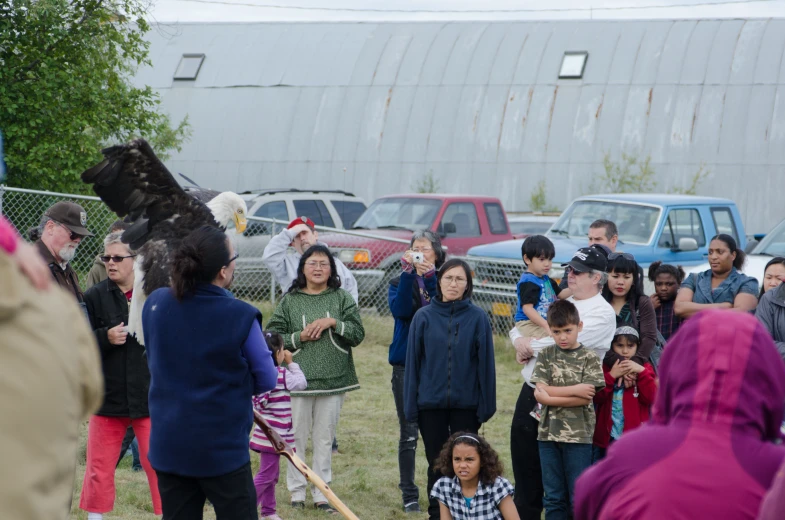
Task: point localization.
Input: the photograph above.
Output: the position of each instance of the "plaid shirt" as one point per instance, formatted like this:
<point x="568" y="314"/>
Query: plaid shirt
<point x="485" y="504"/>
<point x="667" y="322"/>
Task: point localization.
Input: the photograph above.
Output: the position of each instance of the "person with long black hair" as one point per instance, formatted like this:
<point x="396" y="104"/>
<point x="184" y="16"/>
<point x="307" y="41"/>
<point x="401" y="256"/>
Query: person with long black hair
<point x="207" y="359"/>
<point x="450" y="376"/>
<point x="320" y="323"/>
<point x="723" y="286"/>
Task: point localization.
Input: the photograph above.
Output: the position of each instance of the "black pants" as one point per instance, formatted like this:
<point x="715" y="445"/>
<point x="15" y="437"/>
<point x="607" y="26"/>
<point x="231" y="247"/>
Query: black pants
<point x="232" y="495"/>
<point x="436" y="426"/>
<point x="525" y="453"/>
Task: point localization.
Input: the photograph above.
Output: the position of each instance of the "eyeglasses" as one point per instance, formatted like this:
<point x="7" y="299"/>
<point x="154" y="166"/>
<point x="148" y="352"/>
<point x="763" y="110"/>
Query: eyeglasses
<point x="235" y="257"/>
<point x="73" y="235"/>
<point x="626" y="256"/>
<point x="449" y="280"/>
<point x="422" y="249"/>
<point x="314" y="265"/>
<point x="116" y="259"/>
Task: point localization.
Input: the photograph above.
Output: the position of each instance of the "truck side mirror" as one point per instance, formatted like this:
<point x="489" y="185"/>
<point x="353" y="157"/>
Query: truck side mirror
<point x="447" y="228"/>
<point x="686" y="244"/>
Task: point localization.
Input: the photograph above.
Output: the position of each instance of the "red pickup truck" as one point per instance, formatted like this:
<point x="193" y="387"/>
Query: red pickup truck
<point x="463" y="221"/>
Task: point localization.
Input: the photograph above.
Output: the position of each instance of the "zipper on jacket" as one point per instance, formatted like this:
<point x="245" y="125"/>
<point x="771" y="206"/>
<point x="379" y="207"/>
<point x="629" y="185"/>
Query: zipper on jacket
<point x="449" y="353"/>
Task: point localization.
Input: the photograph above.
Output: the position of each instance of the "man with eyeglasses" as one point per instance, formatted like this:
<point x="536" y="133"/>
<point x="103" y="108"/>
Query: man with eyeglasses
<point x="301" y="234"/>
<point x="62" y="228"/>
<point x="586" y="275"/>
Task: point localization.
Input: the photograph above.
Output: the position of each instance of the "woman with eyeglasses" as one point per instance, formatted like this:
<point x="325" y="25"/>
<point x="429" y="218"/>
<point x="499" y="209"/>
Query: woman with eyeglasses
<point x="450" y="374"/>
<point x="126" y="383"/>
<point x="320" y="324"/>
<point x="413" y="289"/>
<point x="207" y="358"/>
<point x="624" y="291"/>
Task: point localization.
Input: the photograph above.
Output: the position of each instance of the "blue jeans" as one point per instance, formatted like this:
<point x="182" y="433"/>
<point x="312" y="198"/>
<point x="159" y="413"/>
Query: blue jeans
<point x="562" y="463"/>
<point x="407" y="442"/>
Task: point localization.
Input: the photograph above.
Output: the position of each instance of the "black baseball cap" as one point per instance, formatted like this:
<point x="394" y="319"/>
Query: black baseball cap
<point x="71" y="215"/>
<point x="588" y="259"/>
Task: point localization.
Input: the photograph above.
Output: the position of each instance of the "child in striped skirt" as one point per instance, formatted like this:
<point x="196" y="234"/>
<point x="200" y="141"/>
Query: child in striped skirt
<point x="275" y="406"/>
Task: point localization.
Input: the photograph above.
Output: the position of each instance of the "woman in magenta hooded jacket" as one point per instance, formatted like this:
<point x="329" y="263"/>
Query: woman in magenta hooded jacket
<point x="707" y="452"/>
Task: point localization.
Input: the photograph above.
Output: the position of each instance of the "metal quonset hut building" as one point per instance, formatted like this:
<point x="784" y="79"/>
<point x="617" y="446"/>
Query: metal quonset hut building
<point x="372" y="108"/>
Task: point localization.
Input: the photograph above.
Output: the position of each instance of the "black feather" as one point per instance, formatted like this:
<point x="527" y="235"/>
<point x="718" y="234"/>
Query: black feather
<point x="136" y="185"/>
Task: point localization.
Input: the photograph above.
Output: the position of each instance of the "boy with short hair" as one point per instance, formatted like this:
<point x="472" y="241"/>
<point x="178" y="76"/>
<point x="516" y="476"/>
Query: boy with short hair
<point x="567" y="377"/>
<point x="536" y="292"/>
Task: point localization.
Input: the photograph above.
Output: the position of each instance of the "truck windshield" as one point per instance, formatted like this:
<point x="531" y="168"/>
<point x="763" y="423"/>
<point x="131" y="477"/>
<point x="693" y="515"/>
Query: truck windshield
<point x="636" y="222"/>
<point x="773" y="244"/>
<point x="400" y="213"/>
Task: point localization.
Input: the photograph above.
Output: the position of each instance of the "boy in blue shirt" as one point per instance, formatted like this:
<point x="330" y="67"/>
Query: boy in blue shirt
<point x="536" y="292"/>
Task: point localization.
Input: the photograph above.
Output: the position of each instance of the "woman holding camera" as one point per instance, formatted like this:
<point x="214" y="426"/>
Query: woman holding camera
<point x="411" y="290"/>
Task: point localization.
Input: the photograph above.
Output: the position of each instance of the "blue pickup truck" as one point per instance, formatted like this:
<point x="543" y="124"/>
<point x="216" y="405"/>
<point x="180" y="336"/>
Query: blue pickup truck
<point x="673" y="228"/>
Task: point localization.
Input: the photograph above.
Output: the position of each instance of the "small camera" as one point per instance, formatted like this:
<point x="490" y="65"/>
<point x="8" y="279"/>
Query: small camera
<point x="418" y="258"/>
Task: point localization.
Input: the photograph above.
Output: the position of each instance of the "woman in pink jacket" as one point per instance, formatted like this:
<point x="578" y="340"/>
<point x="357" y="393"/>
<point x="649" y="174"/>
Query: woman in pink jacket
<point x="708" y="449"/>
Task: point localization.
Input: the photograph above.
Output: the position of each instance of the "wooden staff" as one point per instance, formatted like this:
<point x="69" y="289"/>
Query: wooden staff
<point x="284" y="449"/>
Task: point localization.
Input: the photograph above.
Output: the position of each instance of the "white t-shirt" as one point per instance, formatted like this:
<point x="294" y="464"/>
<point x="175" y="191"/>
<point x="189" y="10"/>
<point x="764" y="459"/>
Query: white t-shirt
<point x="599" y="325"/>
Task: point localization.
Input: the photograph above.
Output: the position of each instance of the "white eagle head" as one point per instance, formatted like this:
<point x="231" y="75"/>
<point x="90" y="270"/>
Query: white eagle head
<point x="229" y="207"/>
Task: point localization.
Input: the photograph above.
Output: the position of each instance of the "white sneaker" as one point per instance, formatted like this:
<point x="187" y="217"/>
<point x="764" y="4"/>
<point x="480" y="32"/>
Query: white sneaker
<point x="272" y="517"/>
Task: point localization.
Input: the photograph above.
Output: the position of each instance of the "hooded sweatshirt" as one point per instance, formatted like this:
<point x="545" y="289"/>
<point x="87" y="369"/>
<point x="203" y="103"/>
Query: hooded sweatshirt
<point x="449" y="360"/>
<point x="771" y="313"/>
<point x="707" y="451"/>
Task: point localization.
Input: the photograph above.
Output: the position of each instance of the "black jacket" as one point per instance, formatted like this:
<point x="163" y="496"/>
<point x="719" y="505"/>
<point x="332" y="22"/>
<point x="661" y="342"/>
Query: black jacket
<point x="126" y="376"/>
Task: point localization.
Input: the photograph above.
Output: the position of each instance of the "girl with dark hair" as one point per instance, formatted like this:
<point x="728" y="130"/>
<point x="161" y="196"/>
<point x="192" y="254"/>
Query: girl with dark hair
<point x="624" y="291"/>
<point x="667" y="279"/>
<point x="414" y="288"/>
<point x="472" y="486"/>
<point x="773" y="275"/>
<point x="207" y="359"/>
<point x="320" y="324"/>
<point x="453" y="387"/>
<point x="722" y="286"/>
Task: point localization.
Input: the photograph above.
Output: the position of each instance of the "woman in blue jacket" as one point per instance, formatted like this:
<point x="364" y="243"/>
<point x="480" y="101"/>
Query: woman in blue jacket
<point x="409" y="292"/>
<point x="450" y="375"/>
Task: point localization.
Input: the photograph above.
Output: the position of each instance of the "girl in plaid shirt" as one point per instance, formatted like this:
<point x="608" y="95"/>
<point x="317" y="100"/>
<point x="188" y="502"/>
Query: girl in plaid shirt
<point x="667" y="280"/>
<point x="472" y="487"/>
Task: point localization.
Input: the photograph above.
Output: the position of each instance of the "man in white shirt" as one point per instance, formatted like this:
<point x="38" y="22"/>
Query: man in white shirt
<point x="586" y="277"/>
<point x="301" y="234"/>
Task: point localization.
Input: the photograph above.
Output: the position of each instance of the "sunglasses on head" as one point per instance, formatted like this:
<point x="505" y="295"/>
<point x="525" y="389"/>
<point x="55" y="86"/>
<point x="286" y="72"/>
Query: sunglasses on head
<point x="115" y="258"/>
<point x="626" y="256"/>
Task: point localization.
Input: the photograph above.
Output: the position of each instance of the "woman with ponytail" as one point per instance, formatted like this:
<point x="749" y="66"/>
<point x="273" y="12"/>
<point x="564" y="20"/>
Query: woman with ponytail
<point x="207" y="357"/>
<point x="723" y="286"/>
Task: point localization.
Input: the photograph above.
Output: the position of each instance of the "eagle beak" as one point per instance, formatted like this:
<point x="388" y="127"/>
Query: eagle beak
<point x="240" y="223"/>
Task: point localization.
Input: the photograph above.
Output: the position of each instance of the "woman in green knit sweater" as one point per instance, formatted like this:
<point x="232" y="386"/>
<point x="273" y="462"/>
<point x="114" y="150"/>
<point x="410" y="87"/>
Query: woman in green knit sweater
<point x="320" y="324"/>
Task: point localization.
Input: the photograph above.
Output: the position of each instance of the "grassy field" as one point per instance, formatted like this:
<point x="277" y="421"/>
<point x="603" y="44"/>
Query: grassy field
<point x="365" y="471"/>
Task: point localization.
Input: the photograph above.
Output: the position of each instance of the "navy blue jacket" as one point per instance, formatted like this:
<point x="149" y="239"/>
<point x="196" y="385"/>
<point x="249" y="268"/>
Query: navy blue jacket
<point x="203" y="375"/>
<point x="449" y="360"/>
<point x="404" y="301"/>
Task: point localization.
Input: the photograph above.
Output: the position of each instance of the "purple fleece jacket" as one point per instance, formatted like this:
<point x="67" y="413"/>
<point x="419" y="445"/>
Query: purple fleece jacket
<point x="707" y="452"/>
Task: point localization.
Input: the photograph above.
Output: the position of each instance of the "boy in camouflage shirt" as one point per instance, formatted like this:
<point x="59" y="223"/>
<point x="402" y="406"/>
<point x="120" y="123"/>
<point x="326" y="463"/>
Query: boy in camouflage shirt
<point x="567" y="377"/>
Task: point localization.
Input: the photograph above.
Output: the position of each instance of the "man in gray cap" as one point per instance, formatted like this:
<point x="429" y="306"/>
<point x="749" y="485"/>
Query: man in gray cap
<point x="60" y="232"/>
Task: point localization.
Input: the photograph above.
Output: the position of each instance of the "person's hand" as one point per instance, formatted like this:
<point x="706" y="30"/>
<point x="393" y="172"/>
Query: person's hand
<point x="630" y="379"/>
<point x="585" y="391"/>
<point x="523" y="350"/>
<point x="632" y="366"/>
<point x="117" y="335"/>
<point x="655" y="301"/>
<point x="287" y="357"/>
<point x="32" y="265"/>
<point x="299" y="228"/>
<point x="540" y="394"/>
<point x="618" y="370"/>
<point x="726" y="305"/>
<point x="423" y="267"/>
<point x="313" y="330"/>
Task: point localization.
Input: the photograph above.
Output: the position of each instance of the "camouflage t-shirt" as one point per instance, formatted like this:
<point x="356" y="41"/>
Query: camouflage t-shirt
<point x="557" y="367"/>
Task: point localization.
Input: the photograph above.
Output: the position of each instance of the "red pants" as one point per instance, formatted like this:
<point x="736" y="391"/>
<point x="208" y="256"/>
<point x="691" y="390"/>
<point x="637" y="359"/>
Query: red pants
<point x="104" y="439"/>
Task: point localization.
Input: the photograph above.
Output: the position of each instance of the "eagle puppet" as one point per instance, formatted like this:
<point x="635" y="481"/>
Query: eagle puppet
<point x="136" y="185"/>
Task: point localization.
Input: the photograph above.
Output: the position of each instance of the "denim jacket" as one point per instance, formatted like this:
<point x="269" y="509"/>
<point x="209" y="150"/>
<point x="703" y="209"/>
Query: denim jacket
<point x="726" y="292"/>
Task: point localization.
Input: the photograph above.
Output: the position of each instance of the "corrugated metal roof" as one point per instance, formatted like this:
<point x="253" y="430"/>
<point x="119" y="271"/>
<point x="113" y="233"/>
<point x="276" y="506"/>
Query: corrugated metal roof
<point x="372" y="108"/>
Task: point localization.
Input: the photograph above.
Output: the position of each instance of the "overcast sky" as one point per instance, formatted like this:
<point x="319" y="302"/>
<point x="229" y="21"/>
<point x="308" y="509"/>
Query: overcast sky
<point x="424" y="10"/>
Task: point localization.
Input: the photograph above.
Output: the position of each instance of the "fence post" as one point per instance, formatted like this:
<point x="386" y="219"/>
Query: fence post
<point x="272" y="276"/>
<point x="2" y="192"/>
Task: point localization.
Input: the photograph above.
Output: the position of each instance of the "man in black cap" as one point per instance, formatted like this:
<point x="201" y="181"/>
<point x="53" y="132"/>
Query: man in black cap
<point x="62" y="228"/>
<point x="586" y="275"/>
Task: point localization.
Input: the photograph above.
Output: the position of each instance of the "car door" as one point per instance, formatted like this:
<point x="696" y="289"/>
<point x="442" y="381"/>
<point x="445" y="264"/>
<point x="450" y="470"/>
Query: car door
<point x="682" y="222"/>
<point x="466" y="231"/>
<point x="314" y="209"/>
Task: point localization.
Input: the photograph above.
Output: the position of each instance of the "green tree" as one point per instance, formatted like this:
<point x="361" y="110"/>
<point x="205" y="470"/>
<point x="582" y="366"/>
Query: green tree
<point x="427" y="184"/>
<point x="629" y="175"/>
<point x="65" y="89"/>
<point x="698" y="177"/>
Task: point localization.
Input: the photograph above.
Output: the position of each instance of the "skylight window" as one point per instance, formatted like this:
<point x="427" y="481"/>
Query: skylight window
<point x="573" y="64"/>
<point x="189" y="66"/>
